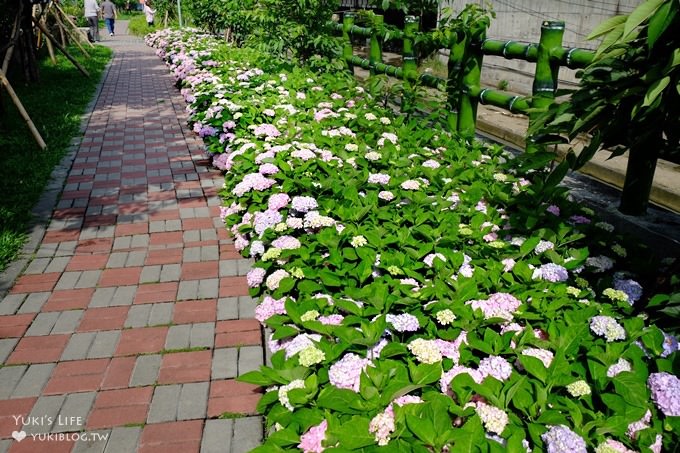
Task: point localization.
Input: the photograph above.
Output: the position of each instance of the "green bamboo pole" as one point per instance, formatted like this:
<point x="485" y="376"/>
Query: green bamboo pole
<point x="375" y="53"/>
<point x="510" y="49"/>
<point x="467" y="110"/>
<point x="409" y="59"/>
<point x="395" y="71"/>
<point x="514" y="104"/>
<point x="547" y="69"/>
<point x="455" y="78"/>
<point x="572" y="57"/>
<point x="639" y="179"/>
<point x="347" y="23"/>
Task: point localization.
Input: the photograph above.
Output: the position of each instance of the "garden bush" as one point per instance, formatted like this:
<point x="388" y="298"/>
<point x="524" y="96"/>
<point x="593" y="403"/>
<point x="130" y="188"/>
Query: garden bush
<point x="418" y="292"/>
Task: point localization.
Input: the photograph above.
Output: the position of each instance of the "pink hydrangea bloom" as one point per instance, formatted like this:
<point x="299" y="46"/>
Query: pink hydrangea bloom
<point x="498" y="305"/>
<point x="286" y="243"/>
<point x="255" y="276"/>
<point x="665" y="389"/>
<point x="270" y="307"/>
<point x="346" y="372"/>
<point x="278" y="201"/>
<point x="310" y="442"/>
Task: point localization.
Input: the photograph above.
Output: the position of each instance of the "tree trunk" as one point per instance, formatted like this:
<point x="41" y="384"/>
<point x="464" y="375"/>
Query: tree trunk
<point x="639" y="178"/>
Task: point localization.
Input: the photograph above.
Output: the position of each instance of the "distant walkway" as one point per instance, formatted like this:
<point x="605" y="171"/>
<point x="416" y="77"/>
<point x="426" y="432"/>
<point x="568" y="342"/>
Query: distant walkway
<point x="131" y="322"/>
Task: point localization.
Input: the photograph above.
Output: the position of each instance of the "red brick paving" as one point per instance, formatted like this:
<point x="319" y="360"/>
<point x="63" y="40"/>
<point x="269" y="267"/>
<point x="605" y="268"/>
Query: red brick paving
<point x="43" y="349"/>
<point x="141" y="341"/>
<point x="156" y="292"/>
<point x="77" y="376"/>
<point x="180" y="367"/>
<point x="120" y="407"/>
<point x="184" y="436"/>
<point x="118" y="402"/>
<point x="29" y="445"/>
<point x="195" y="311"/>
<point x="69" y="299"/>
<point x="233" y="397"/>
<point x="15" y="325"/>
<point x="103" y="318"/>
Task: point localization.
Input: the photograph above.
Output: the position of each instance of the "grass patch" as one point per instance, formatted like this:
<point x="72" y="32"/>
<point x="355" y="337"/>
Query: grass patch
<point x="231" y="415"/>
<point x="55" y="105"/>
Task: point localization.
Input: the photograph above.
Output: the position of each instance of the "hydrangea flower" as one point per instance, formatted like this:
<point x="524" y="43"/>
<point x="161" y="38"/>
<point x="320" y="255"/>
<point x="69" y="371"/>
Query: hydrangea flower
<point x="508" y="264"/>
<point x="498" y="305"/>
<point x="403" y="323"/>
<point x="304" y="204"/>
<point x="382" y="427"/>
<point x="543" y="246"/>
<point x="378" y="178"/>
<point x="448" y="376"/>
<point x="600" y="263"/>
<point x="578" y="388"/>
<point x="358" y="241"/>
<point x="550" y="272"/>
<point x="429" y="259"/>
<point x="616" y="295"/>
<point x="665" y="390"/>
<point x="426" y="351"/>
<point x="372" y="156"/>
<point x="613" y="446"/>
<point x="554" y="210"/>
<point x="255" y="276"/>
<point x="607" y="327"/>
<point x="386" y="195"/>
<point x="310" y="442"/>
<point x="331" y="320"/>
<point x="619" y="367"/>
<point x="283" y="392"/>
<point x="275" y="278"/>
<point x="270" y="307"/>
<point x="311" y="356"/>
<point x="629" y="287"/>
<point x="410" y="184"/>
<point x="560" y="439"/>
<point x="309" y="315"/>
<point x="543" y="355"/>
<point x="635" y="427"/>
<point x="445" y="317"/>
<point x="346" y="372"/>
<point x="494" y="419"/>
<point x="495" y="366"/>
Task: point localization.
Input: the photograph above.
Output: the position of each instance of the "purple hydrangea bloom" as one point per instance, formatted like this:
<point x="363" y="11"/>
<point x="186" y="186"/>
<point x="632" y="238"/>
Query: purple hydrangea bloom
<point x="498" y="305"/>
<point x="665" y="393"/>
<point x="255" y="276"/>
<point x="304" y="204"/>
<point x="670" y="345"/>
<point x="346" y="372"/>
<point x="278" y="201"/>
<point x="550" y="272"/>
<point x="404" y="322"/>
<point x="496" y="366"/>
<point x="265" y="220"/>
<point x="270" y="307"/>
<point x="331" y="320"/>
<point x="632" y="288"/>
<point x="286" y="243"/>
<point x="560" y="439"/>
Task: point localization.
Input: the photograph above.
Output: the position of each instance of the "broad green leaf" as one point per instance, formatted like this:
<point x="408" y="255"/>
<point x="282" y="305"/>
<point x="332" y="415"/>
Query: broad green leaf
<point x="606" y="26"/>
<point x="659" y="23"/>
<point x="655" y="90"/>
<point x="641" y="14"/>
<point x="422" y="427"/>
<point x="355" y="434"/>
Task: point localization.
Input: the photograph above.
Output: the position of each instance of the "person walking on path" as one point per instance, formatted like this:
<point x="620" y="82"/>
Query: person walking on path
<point x="110" y="15"/>
<point x="149" y="12"/>
<point x="92" y="16"/>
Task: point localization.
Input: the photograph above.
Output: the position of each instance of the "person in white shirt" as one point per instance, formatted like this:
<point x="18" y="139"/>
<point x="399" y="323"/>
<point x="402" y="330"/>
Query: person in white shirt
<point x="149" y="13"/>
<point x="92" y="16"/>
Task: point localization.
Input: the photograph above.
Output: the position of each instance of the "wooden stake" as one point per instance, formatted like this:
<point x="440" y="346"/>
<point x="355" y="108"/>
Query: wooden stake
<point x="50" y="49"/>
<point x="22" y="111"/>
<point x="68" y="19"/>
<point x="72" y="37"/>
<point x="8" y="54"/>
<point x="66" y="54"/>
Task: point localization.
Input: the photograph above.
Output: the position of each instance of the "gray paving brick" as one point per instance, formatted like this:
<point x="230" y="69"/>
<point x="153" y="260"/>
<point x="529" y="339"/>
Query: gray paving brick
<point x="122" y="242"/>
<point x="224" y="363"/>
<point x="67" y="322"/>
<point x="190" y="236"/>
<point x="6" y="347"/>
<point x="89" y="279"/>
<point x="164" y="404"/>
<point x="45" y="412"/>
<point x="114" y="296"/>
<point x="171" y="273"/>
<point x="140" y="240"/>
<point x="202" y="335"/>
<point x="123" y="440"/>
<point x="208" y="234"/>
<point x="73" y="412"/>
<point x="150" y="274"/>
<point x="92" y="442"/>
<point x="193" y="401"/>
<point x="10" y="377"/>
<point x="34" y="302"/>
<point x="5" y="444"/>
<point x="33" y="380"/>
<point x="78" y="346"/>
<point x="210" y="252"/>
<point x="68" y="280"/>
<point x="208" y="288"/>
<point x="47" y="250"/>
<point x="116" y="259"/>
<point x="246" y="307"/>
<point x="102" y="297"/>
<point x="191" y="255"/>
<point x="42" y="324"/>
<point x="250" y="358"/>
<point x="227" y="308"/>
<point x="11" y="303"/>
<point x="37" y="266"/>
<point x="136" y="258"/>
<point x="104" y="344"/>
<point x="160" y="314"/>
<point x="228" y="268"/>
<point x="146" y="370"/>
<point x="244" y="265"/>
<point x="188" y="290"/>
<point x="248" y="432"/>
<point x="178" y="337"/>
<point x="138" y="316"/>
<point x="217" y="436"/>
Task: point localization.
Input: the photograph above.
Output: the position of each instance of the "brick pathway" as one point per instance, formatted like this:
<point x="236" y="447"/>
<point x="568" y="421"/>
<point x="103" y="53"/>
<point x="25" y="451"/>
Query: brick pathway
<point x="132" y="320"/>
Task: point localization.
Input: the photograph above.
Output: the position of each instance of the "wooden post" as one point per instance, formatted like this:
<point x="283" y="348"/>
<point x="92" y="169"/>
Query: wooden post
<point x="547" y="69"/>
<point x="72" y="37"/>
<point x="347" y="50"/>
<point x="50" y="49"/>
<point x="75" y="27"/>
<point x="66" y="54"/>
<point x="375" y="55"/>
<point x="639" y="179"/>
<point x="454" y="85"/>
<point x="22" y="111"/>
<point x="467" y="110"/>
<point x="10" y="50"/>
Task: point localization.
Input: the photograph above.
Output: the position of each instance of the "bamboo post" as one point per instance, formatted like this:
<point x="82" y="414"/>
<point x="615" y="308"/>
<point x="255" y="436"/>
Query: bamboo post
<point x="467" y="105"/>
<point x="10" y="50"/>
<point x="547" y="70"/>
<point x="375" y="55"/>
<point x="347" y="50"/>
<point x="71" y="36"/>
<point x="639" y="179"/>
<point x="50" y="49"/>
<point x="22" y="111"/>
<point x="455" y="78"/>
<point x="66" y="54"/>
<point x="75" y="27"/>
<point x="409" y="57"/>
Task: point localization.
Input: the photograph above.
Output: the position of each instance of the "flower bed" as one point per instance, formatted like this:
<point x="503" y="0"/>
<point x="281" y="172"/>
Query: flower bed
<point x="420" y="295"/>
